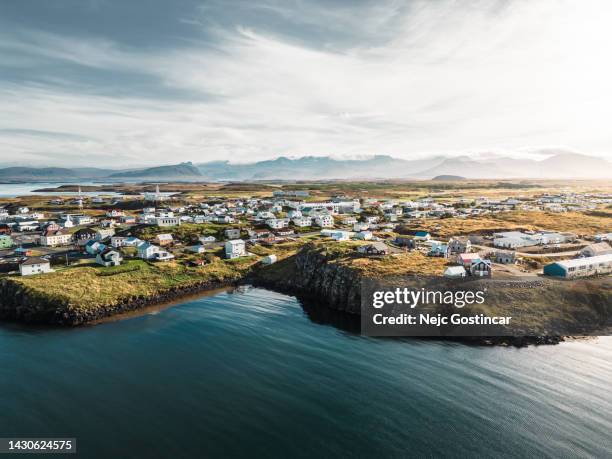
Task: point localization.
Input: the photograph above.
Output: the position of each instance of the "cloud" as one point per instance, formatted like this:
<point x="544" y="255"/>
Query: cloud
<point x="281" y="78"/>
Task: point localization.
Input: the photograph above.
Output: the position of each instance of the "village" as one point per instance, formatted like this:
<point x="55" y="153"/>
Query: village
<point x="159" y="227"/>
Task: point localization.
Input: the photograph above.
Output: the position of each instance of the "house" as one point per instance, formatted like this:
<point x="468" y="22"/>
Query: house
<point x="114" y="213"/>
<point x="580" y="267"/>
<point x="80" y="220"/>
<point x="341" y="235"/>
<point x="196" y="248"/>
<point x="164" y="239"/>
<point x="551" y="238"/>
<point x="67" y="222"/>
<point x="349" y="221"/>
<point x="375" y="248"/>
<point x="515" y="239"/>
<point x="53" y="238"/>
<point x="269" y="260"/>
<point x="455" y="272"/>
<point x="480" y="268"/>
<point x="34" y="265"/>
<point x="505" y="257"/>
<point x="466" y="259"/>
<point x="167" y="221"/>
<point x="277" y="223"/>
<point x="459" y="245"/>
<point x="109" y="257"/>
<point x="6" y="241"/>
<point x="324" y="221"/>
<point x="207" y="239"/>
<point x="147" y="251"/>
<point x="28" y="225"/>
<point x="302" y="222"/>
<point x="422" y="236"/>
<point x="232" y="233"/>
<point x="438" y="249"/>
<point x="162" y="255"/>
<point x="103" y="233"/>
<point x="360" y="226"/>
<point x="84" y="235"/>
<point x="235" y="249"/>
<point x="94" y="247"/>
<point x="118" y="241"/>
<point x="131" y="242"/>
<point x="593" y="250"/>
<point x="127" y="219"/>
<point x="407" y="242"/>
<point x="364" y="235"/>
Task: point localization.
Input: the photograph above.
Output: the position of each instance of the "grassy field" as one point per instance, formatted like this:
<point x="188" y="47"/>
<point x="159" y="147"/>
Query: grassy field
<point x="574" y="222"/>
<point x="93" y="287"/>
<point x="408" y="263"/>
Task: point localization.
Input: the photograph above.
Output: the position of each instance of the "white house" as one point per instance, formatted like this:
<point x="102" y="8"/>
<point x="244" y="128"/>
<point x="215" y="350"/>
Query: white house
<point x="147" y="251"/>
<point x="364" y="235"/>
<point x="114" y="213"/>
<point x="34" y="265"/>
<point x="341" y="235"/>
<point x="109" y="257"/>
<point x="277" y="223"/>
<point x="207" y="239"/>
<point x="167" y="221"/>
<point x="235" y="249"/>
<point x="52" y="238"/>
<point x="302" y="222"/>
<point x="455" y="272"/>
<point x="324" y="221"/>
<point x="118" y="241"/>
<point x="197" y="248"/>
<point x="349" y="221"/>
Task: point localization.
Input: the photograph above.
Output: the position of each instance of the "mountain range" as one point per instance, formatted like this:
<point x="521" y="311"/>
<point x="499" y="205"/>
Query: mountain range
<point x="562" y="165"/>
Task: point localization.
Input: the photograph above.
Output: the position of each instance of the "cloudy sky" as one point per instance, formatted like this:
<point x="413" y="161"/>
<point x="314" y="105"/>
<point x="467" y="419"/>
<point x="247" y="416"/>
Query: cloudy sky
<point x="117" y="83"/>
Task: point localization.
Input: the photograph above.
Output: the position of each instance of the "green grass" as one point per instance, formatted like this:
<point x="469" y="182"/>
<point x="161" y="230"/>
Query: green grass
<point x="85" y="288"/>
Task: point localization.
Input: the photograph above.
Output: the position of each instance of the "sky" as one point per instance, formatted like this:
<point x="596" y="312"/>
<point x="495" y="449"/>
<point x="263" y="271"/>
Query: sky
<point x="124" y="83"/>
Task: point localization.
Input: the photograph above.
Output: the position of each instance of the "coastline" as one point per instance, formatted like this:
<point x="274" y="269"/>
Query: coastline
<point x="312" y="275"/>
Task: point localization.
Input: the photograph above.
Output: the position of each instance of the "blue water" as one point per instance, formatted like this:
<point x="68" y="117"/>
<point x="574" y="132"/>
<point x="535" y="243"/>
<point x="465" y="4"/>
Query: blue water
<point x="12" y="190"/>
<point x="251" y="374"/>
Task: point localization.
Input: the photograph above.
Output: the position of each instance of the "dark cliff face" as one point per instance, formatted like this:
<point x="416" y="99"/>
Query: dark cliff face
<point x="315" y="274"/>
<point x="320" y="276"/>
<point x="544" y="306"/>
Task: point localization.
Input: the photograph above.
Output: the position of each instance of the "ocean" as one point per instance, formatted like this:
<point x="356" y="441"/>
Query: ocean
<point x="254" y="373"/>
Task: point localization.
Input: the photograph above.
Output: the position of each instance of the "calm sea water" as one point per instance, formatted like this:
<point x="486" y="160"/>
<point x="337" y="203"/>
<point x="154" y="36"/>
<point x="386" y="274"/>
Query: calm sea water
<point x="11" y="190"/>
<point x="254" y="374"/>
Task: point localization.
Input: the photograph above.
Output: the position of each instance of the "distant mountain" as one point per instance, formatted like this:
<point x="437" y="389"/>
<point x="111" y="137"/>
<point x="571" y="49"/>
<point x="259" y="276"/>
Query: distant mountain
<point x="27" y="174"/>
<point x="448" y="178"/>
<point x="559" y="165"/>
<point x="318" y="168"/>
<point x="181" y="171"/>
